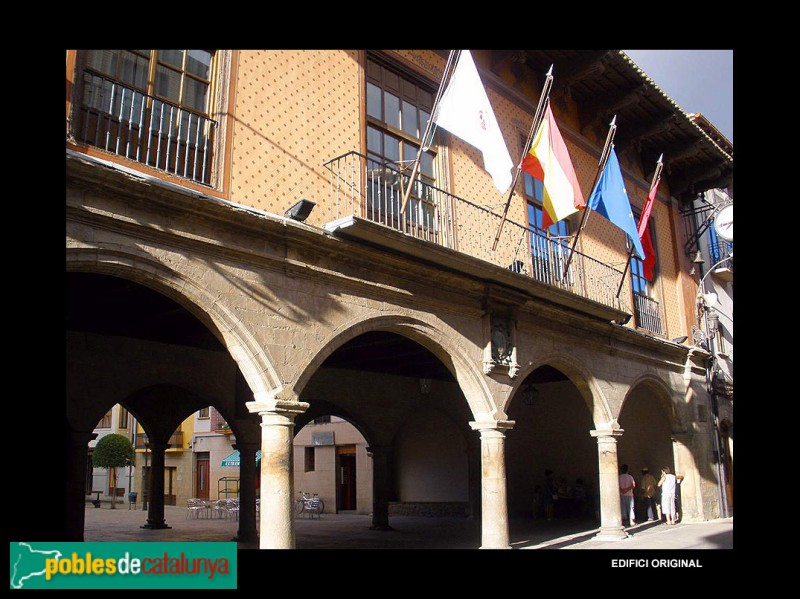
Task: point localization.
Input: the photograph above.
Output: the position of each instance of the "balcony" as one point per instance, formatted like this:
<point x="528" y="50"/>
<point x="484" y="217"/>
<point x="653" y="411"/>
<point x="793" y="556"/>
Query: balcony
<point x="647" y="313"/>
<point x="721" y="254"/>
<point x="175" y="441"/>
<point x="143" y="128"/>
<point x="367" y="189"/>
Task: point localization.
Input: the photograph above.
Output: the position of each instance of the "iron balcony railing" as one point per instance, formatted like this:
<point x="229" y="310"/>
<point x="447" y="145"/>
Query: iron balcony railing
<point x="647" y="313"/>
<point x="175" y="441"/>
<point x="372" y="189"/>
<point x="143" y="128"/>
<point x="719" y="250"/>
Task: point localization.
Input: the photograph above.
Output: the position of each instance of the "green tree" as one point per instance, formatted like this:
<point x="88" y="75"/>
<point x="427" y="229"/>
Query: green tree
<point x="111" y="452"/>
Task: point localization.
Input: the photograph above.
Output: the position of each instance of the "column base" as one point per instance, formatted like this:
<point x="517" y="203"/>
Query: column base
<point x="243" y="538"/>
<point x="380" y="527"/>
<point x="611" y="533"/>
<point x="155" y="525"/>
<point x="505" y="547"/>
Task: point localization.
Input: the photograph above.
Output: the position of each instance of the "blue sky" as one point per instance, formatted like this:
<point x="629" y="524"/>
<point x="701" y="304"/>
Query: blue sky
<point x="697" y="80"/>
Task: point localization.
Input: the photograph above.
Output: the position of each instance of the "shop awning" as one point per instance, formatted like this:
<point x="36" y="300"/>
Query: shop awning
<point x="233" y="459"/>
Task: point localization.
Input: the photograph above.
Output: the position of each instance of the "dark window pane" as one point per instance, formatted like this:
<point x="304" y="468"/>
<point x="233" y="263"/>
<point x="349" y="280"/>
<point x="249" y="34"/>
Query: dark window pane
<point x="392" y="109"/>
<point x="198" y="62"/>
<point x="104" y="61"/>
<point x="391" y="81"/>
<point x="374" y="140"/>
<point x="133" y="70"/>
<point x="374" y="101"/>
<point x="171" y="57"/>
<point x="423" y="122"/>
<point x="391" y="148"/>
<point x="194" y="95"/>
<point x="410" y="119"/>
<point x="168" y="83"/>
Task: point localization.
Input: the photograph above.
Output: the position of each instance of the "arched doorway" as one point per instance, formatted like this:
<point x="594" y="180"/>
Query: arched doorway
<point x="127" y="343"/>
<point x="413" y="416"/>
<point x="551" y="433"/>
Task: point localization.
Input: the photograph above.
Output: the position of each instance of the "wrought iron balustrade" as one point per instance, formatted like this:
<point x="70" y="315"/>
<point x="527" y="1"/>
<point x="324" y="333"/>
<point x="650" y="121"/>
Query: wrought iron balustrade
<point x="144" y="128"/>
<point x="373" y="190"/>
<point x="719" y="250"/>
<point x="647" y="313"/>
<point x="175" y="441"/>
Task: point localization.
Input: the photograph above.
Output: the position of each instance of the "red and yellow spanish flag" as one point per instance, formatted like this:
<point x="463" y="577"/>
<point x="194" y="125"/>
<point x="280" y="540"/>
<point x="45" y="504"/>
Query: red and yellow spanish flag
<point x="548" y="161"/>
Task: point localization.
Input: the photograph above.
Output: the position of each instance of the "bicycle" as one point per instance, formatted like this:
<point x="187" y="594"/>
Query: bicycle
<point x="309" y="504"/>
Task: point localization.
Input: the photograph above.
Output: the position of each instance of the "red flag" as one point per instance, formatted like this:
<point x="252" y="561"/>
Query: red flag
<point x="644" y="234"/>
<point x="649" y="254"/>
<point x="648" y="208"/>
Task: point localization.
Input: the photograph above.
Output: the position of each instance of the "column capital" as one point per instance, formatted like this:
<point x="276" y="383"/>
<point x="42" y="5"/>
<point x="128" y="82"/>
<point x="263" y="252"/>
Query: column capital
<point x="682" y="437"/>
<point x="606" y="433"/>
<point x="498" y="426"/>
<point x="266" y="406"/>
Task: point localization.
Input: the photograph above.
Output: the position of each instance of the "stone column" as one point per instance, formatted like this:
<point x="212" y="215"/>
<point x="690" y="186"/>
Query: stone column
<point x="77" y="457"/>
<point x="691" y="500"/>
<point x="381" y="486"/>
<point x="247" y="532"/>
<point x="494" y="504"/>
<point x="611" y="528"/>
<point x="155" y="507"/>
<point x="277" y="486"/>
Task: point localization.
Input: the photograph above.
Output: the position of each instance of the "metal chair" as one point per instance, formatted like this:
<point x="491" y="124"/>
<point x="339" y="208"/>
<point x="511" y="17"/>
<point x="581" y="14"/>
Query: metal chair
<point x="220" y="507"/>
<point x="195" y="508"/>
<point x="232" y="505"/>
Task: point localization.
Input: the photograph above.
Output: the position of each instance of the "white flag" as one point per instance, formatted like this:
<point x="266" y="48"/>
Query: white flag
<point x="465" y="111"/>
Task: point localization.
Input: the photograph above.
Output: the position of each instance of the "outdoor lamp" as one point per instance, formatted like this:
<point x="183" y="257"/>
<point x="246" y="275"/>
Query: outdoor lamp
<point x="300" y="210"/>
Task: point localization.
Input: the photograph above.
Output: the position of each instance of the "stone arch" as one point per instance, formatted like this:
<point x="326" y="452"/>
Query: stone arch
<point x="253" y="361"/>
<point x="468" y="377"/>
<point x="663" y="395"/>
<point x="580" y="376"/>
<point x="320" y="407"/>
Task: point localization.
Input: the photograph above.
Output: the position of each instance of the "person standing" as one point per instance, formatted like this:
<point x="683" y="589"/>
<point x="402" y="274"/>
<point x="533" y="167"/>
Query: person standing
<point x="550" y="494"/>
<point x="668" y="485"/>
<point x="647" y="494"/>
<point x="626" y="487"/>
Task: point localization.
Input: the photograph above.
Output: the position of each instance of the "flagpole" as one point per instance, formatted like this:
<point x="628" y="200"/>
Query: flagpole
<point x="653" y="183"/>
<point x="538" y="117"/>
<point x="601" y="165"/>
<point x="449" y="66"/>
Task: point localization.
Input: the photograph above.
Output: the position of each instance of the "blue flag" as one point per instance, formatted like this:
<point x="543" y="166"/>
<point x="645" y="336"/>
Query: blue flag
<point x="610" y="199"/>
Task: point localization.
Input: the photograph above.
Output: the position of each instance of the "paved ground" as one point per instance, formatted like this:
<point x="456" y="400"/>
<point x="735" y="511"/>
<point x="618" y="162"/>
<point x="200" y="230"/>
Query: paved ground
<point x="351" y="531"/>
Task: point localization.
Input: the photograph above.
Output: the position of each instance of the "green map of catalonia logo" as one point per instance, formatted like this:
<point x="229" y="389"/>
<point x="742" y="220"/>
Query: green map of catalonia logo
<point x="74" y="565"/>
<point x="27" y="562"/>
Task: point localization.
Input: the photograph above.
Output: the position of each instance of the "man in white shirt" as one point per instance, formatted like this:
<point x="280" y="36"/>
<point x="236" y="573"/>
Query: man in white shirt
<point x="668" y="484"/>
<point x="626" y="486"/>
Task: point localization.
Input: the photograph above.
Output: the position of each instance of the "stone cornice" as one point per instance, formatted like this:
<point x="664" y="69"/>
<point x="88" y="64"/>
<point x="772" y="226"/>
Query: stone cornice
<point x="184" y="219"/>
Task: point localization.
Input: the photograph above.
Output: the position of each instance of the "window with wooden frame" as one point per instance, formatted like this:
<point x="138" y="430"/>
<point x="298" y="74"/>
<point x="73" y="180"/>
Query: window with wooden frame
<point x="106" y="421"/>
<point x="398" y="108"/>
<point x="122" y="418"/>
<point x="151" y="106"/>
<point x="549" y="247"/>
<point x="203" y="413"/>
<point x="647" y="312"/>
